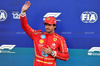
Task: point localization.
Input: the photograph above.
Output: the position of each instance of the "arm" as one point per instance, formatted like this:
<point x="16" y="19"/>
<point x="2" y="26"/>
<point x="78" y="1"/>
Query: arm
<point x="63" y="54"/>
<point x="31" y="32"/>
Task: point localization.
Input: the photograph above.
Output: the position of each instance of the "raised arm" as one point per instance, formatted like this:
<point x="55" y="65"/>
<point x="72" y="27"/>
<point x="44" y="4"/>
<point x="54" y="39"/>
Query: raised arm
<point x="24" y="24"/>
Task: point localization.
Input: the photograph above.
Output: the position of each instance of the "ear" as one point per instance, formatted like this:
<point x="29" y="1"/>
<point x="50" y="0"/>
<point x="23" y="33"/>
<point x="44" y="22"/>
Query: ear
<point x="54" y="27"/>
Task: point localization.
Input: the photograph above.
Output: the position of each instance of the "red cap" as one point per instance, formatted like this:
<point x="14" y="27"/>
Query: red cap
<point x="50" y="20"/>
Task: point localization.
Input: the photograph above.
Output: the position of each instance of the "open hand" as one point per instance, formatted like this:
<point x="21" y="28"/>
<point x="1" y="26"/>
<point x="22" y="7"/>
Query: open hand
<point x="46" y="50"/>
<point x="25" y="6"/>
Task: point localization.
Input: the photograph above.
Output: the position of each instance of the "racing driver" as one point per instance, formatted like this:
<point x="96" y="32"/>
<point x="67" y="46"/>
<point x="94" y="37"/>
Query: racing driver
<point x="48" y="45"/>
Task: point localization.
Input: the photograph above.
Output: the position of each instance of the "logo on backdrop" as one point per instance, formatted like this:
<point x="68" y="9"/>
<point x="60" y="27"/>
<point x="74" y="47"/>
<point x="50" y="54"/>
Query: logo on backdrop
<point x="53" y="14"/>
<point x="95" y="51"/>
<point x="89" y="17"/>
<point x="6" y="48"/>
<point x="16" y="15"/>
<point x="3" y="15"/>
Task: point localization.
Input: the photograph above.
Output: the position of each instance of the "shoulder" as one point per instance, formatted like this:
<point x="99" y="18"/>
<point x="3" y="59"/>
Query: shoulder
<point x="59" y="36"/>
<point x="37" y="31"/>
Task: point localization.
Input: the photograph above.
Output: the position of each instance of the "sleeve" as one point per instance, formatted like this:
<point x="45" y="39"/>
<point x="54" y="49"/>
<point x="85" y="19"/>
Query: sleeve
<point x="30" y="32"/>
<point x="63" y="53"/>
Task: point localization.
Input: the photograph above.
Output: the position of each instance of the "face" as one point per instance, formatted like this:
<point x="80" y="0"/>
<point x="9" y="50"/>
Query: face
<point x="49" y="28"/>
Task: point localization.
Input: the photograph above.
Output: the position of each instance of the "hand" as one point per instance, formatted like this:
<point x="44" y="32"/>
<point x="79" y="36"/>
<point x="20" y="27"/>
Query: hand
<point x="46" y="50"/>
<point x="25" y="6"/>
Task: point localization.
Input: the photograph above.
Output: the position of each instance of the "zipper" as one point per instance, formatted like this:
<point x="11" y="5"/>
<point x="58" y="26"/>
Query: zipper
<point x="45" y="45"/>
<point x="43" y="60"/>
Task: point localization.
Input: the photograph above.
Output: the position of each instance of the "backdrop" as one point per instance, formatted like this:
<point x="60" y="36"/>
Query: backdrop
<point x="77" y="21"/>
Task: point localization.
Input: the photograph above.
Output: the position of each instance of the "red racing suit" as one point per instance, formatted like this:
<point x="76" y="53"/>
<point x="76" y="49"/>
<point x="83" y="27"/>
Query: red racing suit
<point x="42" y="39"/>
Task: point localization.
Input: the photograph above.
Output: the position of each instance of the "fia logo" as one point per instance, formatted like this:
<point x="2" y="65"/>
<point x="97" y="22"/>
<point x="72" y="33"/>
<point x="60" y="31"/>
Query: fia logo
<point x="53" y="14"/>
<point x="16" y="15"/>
<point x="3" y="15"/>
<point x="89" y="17"/>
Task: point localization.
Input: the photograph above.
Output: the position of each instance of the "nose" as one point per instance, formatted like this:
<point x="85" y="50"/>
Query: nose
<point x="46" y="26"/>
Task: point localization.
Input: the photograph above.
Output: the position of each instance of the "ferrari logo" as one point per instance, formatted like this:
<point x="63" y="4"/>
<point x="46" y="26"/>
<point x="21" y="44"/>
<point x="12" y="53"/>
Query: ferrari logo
<point x="55" y="39"/>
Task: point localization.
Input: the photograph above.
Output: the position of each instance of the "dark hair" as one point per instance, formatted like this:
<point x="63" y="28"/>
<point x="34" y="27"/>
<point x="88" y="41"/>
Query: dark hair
<point x="54" y="25"/>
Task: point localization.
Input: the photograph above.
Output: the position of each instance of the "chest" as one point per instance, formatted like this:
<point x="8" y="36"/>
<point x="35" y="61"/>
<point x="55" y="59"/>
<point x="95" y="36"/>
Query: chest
<point x="50" y="40"/>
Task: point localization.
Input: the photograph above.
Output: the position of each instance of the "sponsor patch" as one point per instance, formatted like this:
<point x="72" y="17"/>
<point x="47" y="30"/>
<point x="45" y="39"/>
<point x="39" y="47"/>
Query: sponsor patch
<point x="43" y="36"/>
<point x="41" y="41"/>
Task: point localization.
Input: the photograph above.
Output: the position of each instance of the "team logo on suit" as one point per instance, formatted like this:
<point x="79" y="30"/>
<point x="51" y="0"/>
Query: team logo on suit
<point x="55" y="39"/>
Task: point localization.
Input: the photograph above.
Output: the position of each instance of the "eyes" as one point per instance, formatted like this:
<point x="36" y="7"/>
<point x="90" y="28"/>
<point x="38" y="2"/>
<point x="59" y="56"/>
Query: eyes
<point x="47" y="24"/>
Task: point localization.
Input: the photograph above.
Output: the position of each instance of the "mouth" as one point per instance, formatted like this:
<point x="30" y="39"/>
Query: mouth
<point x="47" y="29"/>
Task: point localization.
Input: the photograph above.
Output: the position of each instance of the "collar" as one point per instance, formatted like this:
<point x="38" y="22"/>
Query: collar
<point x="48" y="33"/>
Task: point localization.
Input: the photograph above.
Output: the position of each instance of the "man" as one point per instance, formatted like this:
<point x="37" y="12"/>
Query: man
<point x="48" y="45"/>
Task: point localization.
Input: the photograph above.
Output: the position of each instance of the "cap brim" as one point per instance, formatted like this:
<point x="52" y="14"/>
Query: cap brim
<point x="47" y="23"/>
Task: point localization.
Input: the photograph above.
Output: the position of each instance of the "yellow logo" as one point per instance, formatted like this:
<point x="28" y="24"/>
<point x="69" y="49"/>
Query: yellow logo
<point x="41" y="41"/>
<point x="55" y="39"/>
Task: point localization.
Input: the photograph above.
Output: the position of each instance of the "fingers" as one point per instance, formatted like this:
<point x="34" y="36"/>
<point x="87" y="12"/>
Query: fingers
<point x="44" y="52"/>
<point x="43" y="49"/>
<point x="27" y="3"/>
<point x="48" y="47"/>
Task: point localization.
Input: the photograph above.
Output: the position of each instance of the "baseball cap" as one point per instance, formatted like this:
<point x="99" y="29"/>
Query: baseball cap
<point x="50" y="20"/>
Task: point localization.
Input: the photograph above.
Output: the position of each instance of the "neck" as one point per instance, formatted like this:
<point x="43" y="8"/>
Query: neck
<point x="50" y="32"/>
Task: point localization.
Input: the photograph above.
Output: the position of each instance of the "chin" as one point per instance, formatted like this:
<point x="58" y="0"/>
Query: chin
<point x="48" y="31"/>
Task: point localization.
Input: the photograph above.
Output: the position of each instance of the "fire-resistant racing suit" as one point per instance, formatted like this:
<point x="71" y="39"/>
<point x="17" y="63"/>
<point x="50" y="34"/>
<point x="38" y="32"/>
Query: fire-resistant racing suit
<point x="42" y="39"/>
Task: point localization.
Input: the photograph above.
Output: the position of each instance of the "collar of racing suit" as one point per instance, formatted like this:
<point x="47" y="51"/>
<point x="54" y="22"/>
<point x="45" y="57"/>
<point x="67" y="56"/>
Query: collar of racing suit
<point x="49" y="33"/>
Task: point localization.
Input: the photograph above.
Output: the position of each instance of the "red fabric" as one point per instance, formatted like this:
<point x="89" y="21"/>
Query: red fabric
<point x="50" y="20"/>
<point x="42" y="39"/>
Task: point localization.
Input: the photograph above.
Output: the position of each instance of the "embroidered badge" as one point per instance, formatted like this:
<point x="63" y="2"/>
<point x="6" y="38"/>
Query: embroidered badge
<point x="45" y="55"/>
<point x="43" y="36"/>
<point x="41" y="41"/>
<point x="55" y="39"/>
